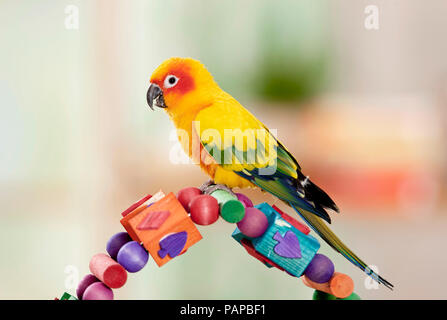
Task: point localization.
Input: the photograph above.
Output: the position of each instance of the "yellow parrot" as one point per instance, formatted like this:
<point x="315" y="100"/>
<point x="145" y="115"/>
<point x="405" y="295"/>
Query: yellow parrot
<point x="235" y="149"/>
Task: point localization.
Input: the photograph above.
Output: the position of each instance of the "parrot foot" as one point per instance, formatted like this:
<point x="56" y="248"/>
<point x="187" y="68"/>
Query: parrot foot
<point x="209" y="187"/>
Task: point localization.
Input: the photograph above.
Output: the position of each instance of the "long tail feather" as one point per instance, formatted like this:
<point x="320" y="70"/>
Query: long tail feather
<point x="320" y="227"/>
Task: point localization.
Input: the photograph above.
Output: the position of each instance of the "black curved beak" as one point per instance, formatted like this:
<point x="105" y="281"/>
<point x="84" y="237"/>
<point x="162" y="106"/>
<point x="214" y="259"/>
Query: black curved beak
<point x="154" y="93"/>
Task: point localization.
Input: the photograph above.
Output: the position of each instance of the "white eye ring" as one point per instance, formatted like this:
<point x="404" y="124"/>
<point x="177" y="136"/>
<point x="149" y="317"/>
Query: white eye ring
<point x="170" y="81"/>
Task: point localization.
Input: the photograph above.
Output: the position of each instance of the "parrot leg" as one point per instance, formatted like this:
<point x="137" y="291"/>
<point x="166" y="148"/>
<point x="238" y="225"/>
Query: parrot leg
<point x="209" y="187"/>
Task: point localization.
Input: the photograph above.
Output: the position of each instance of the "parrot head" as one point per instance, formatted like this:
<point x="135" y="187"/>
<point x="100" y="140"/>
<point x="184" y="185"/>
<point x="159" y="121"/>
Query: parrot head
<point x="180" y="84"/>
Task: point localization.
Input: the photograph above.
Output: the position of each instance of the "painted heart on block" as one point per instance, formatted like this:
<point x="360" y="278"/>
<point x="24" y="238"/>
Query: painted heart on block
<point x="153" y="220"/>
<point x="172" y="244"/>
<point x="287" y="246"/>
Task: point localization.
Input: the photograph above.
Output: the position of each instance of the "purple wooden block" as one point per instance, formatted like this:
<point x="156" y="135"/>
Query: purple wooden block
<point x="288" y="246"/>
<point x="172" y="244"/>
<point x="320" y="269"/>
<point x="244" y="199"/>
<point x="84" y="283"/>
<point x="132" y="256"/>
<point x="98" y="291"/>
<point x="116" y="242"/>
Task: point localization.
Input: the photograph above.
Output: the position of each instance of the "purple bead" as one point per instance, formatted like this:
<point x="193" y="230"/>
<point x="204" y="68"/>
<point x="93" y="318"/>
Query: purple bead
<point x="132" y="256"/>
<point x="244" y="199"/>
<point x="116" y="242"/>
<point x="320" y="269"/>
<point x="254" y="223"/>
<point x="98" y="291"/>
<point x="84" y="283"/>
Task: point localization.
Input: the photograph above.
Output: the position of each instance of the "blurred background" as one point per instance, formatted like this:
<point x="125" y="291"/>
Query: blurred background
<point x="363" y="110"/>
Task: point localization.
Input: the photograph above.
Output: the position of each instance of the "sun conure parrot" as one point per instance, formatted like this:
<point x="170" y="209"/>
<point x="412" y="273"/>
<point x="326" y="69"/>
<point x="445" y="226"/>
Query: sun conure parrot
<point x="198" y="106"/>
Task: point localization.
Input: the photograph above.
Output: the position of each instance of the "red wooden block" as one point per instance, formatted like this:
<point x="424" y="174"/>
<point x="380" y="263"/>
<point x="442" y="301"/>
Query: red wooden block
<point x="153" y="220"/>
<point x="303" y="228"/>
<point x="252" y="251"/>
<point x="135" y="205"/>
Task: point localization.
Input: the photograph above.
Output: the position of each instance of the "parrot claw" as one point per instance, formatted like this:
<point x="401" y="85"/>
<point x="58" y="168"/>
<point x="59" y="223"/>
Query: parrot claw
<point x="209" y="187"/>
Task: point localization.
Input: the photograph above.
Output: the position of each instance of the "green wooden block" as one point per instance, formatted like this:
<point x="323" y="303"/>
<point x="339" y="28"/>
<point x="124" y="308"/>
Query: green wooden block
<point x="320" y="295"/>
<point x="353" y="296"/>
<point x="67" y="296"/>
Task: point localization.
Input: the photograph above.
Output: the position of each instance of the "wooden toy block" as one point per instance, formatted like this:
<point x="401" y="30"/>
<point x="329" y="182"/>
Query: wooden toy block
<point x="178" y="221"/>
<point x="251" y="251"/>
<point x="285" y="245"/>
<point x="136" y="205"/>
<point x="303" y="228"/>
<point x="320" y="295"/>
<point x="125" y="220"/>
<point x="67" y="296"/>
<point x="340" y="285"/>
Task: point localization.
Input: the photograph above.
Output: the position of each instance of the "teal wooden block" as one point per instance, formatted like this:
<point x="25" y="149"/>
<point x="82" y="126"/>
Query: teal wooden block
<point x="285" y="245"/>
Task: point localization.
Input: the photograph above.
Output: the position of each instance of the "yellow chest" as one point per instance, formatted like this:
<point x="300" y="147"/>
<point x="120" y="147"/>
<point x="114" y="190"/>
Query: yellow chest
<point x="192" y="146"/>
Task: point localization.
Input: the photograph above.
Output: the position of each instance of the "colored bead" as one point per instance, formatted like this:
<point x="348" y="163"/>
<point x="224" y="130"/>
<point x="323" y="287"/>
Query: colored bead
<point x="98" y="291"/>
<point x="222" y="196"/>
<point x="153" y="220"/>
<point x="244" y="199"/>
<point x="340" y="285"/>
<point x="204" y="210"/>
<point x="254" y="223"/>
<point x="320" y="269"/>
<point x="173" y="244"/>
<point x="108" y="270"/>
<point x="186" y="195"/>
<point x="232" y="211"/>
<point x="116" y="242"/>
<point x="132" y="256"/>
<point x="320" y="295"/>
<point x="84" y="283"/>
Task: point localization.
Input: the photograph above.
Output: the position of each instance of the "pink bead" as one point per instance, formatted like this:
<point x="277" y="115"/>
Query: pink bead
<point x="244" y="199"/>
<point x="84" y="284"/>
<point x="254" y="223"/>
<point x="98" y="291"/>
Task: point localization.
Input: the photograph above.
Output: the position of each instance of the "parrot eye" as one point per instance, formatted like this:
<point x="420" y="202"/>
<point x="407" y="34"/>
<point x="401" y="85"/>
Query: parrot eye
<point x="170" y="81"/>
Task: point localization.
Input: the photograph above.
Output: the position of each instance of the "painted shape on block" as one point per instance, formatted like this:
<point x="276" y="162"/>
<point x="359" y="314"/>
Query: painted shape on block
<point x="288" y="246"/>
<point x="153" y="220"/>
<point x="172" y="244"/>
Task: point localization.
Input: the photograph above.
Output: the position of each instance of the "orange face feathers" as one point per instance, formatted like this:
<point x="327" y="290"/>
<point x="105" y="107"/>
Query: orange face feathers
<point x="185" y="84"/>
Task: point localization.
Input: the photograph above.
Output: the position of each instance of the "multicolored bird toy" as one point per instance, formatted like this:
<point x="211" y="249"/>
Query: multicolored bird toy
<point x="164" y="227"/>
<point x="236" y="150"/>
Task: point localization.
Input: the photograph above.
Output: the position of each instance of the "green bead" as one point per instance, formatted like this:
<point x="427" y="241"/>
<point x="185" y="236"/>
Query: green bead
<point x="67" y="296"/>
<point x="232" y="211"/>
<point x="222" y="196"/>
<point x="320" y="295"/>
<point x="353" y="296"/>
